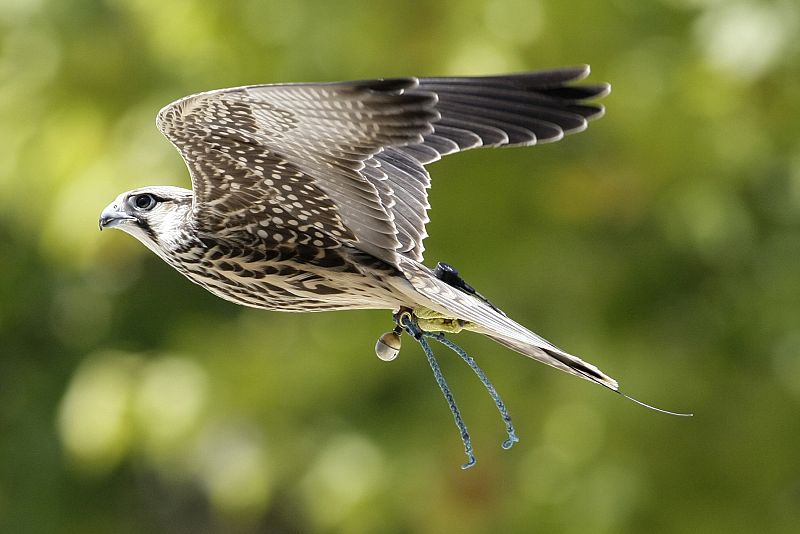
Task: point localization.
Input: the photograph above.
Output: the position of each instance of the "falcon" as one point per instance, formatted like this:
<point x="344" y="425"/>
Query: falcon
<point x="313" y="197"/>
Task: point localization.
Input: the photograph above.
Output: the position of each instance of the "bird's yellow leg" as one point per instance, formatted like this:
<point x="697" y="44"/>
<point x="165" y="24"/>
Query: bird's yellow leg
<point x="433" y="321"/>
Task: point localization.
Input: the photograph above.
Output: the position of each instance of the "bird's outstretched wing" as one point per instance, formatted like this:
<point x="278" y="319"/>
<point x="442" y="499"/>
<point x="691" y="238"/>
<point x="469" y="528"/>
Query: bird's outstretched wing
<point x="330" y="163"/>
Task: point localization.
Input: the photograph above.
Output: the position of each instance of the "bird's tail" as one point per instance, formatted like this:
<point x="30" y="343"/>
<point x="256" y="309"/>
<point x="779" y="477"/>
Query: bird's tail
<point x="486" y="319"/>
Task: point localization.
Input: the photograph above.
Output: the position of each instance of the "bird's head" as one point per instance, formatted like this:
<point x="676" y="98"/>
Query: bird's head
<point x="154" y="215"/>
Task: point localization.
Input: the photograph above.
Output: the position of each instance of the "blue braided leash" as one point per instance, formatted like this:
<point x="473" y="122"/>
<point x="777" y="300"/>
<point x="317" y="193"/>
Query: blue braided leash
<point x="419" y="335"/>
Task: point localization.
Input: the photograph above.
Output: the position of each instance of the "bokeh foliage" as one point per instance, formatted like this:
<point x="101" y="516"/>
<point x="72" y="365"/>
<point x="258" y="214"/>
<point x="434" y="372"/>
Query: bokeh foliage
<point x="662" y="245"/>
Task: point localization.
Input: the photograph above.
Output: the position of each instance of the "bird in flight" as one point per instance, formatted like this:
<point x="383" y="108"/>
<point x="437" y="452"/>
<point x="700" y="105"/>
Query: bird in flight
<point x="313" y="196"/>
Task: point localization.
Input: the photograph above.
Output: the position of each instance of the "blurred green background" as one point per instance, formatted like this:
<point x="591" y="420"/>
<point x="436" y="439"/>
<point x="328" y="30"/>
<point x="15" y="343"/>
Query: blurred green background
<point x="662" y="245"/>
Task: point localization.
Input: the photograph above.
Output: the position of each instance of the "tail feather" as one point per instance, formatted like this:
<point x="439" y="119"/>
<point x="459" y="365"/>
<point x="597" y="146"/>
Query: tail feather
<point x="496" y="325"/>
<point x="562" y="361"/>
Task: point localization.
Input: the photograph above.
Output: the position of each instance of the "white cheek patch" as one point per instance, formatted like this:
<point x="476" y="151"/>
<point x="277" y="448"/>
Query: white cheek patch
<point x="142" y="235"/>
<point x="165" y="228"/>
<point x="165" y="223"/>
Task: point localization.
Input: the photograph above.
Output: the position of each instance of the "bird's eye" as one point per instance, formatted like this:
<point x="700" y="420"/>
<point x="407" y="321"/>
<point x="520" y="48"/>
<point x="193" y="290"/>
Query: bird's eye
<point x="143" y="202"/>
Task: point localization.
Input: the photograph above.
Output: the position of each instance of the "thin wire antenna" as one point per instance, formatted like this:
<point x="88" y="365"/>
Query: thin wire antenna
<point x="419" y="335"/>
<point x="640" y="403"/>
<point x="637" y="401"/>
<point x="512" y="434"/>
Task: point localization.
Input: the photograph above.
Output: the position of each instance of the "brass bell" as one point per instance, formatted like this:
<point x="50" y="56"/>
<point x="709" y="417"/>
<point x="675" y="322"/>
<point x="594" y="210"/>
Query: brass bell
<point x="388" y="346"/>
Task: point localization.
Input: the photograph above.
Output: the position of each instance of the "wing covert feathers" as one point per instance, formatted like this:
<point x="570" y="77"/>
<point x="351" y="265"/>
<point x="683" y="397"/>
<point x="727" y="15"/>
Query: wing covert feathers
<point x="348" y="158"/>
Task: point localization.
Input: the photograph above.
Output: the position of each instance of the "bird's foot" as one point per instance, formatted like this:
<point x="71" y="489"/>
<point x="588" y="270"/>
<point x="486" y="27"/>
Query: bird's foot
<point x="430" y="320"/>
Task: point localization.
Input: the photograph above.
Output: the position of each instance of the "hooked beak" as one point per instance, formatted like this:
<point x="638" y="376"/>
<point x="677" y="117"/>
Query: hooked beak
<point x="112" y="216"/>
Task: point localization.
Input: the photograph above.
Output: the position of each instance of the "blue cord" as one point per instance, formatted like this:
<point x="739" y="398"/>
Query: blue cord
<point x="419" y="335"/>
<point x="512" y="434"/>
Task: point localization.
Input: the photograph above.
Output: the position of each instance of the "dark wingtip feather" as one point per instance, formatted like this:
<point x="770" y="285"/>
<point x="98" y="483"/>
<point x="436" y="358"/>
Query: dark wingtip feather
<point x="550" y="78"/>
<point x="578" y="92"/>
<point x="600" y="111"/>
<point x="587" y="111"/>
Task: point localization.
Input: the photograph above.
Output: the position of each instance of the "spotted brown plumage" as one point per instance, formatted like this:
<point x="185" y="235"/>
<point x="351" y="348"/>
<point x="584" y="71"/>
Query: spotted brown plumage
<point x="313" y="197"/>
